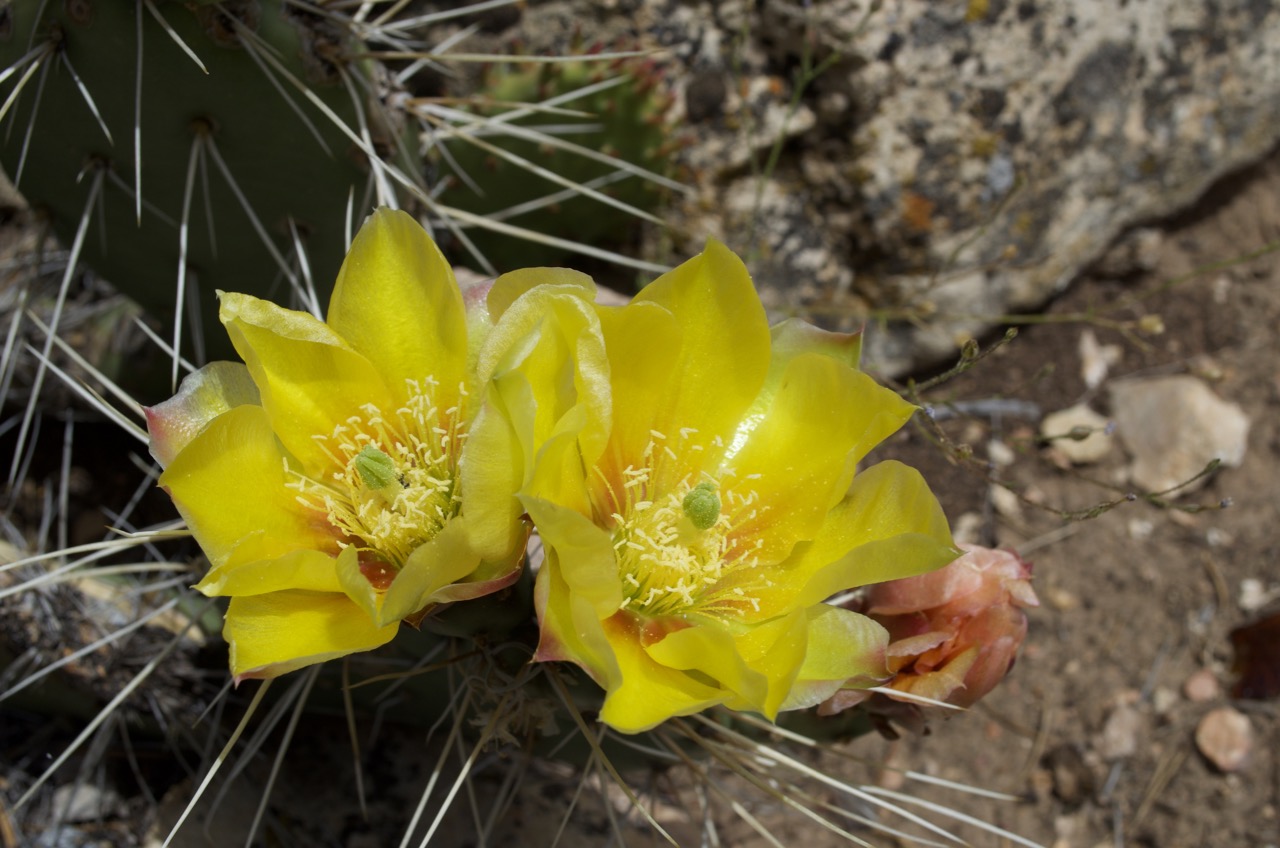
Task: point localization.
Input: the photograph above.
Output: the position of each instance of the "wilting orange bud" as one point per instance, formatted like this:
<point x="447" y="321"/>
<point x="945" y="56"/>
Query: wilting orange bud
<point x="954" y="633"/>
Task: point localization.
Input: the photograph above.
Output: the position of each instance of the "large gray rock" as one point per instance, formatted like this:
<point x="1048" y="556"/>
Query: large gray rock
<point x="950" y="161"/>
<point x="987" y="152"/>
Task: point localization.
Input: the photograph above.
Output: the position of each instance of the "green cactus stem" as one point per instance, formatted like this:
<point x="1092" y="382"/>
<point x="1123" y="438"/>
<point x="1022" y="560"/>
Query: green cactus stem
<point x="227" y="144"/>
<point x="627" y="120"/>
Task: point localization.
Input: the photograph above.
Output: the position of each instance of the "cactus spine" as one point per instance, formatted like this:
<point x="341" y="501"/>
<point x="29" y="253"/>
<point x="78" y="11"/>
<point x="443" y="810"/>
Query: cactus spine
<point x="244" y="183"/>
<point x="618" y="108"/>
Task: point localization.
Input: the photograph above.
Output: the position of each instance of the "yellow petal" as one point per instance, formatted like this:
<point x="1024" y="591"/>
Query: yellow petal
<point x="396" y="302"/>
<point x="445" y="559"/>
<point x="230" y="482"/>
<point x="843" y="644"/>
<point x="843" y="649"/>
<point x="569" y="629"/>
<point x="792" y="337"/>
<point x="356" y="586"/>
<point x="709" y="649"/>
<point x="822" y="419"/>
<point x="311" y="570"/>
<point x="564" y="297"/>
<point x="548" y="374"/>
<point x="776" y="650"/>
<point x="202" y="397"/>
<point x="309" y="378"/>
<point x="724" y="349"/>
<point x="491" y="472"/>
<point x="643" y="341"/>
<point x="558" y="473"/>
<point x="487" y="578"/>
<point x="510" y="286"/>
<point x="584" y="553"/>
<point x="540" y="385"/>
<point x="547" y="361"/>
<point x="649" y="693"/>
<point x="889" y="526"/>
<point x="273" y="634"/>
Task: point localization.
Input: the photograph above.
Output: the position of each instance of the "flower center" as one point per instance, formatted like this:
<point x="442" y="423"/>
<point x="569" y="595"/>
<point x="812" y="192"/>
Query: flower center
<point x="394" y="483"/>
<point x="678" y="550"/>
<point x="702" y="505"/>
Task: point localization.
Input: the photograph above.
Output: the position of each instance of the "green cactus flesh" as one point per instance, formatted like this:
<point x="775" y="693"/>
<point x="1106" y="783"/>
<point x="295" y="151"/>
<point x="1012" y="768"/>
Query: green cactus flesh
<point x="627" y="121"/>
<point x="54" y="147"/>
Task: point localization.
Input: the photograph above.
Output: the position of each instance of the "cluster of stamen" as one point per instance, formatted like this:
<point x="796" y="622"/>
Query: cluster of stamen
<point x="393" y="485"/>
<point x="675" y="543"/>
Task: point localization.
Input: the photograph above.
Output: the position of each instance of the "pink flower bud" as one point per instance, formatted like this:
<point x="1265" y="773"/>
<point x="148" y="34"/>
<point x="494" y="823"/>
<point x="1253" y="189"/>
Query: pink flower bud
<point x="954" y="633"/>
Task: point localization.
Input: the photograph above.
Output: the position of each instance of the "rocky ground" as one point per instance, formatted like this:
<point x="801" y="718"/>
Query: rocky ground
<point x="1119" y="725"/>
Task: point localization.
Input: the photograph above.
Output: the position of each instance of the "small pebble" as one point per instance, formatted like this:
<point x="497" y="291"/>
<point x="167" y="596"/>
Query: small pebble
<point x="1120" y="733"/>
<point x="84" y="803"/>
<point x="999" y="453"/>
<point x="968" y="528"/>
<point x="1005" y="502"/>
<point x="1216" y="537"/>
<point x="1201" y="686"/>
<point x="1254" y="595"/>
<point x="1061" y="599"/>
<point x="1163" y="700"/>
<point x="1221" y="287"/>
<point x="1140" y="529"/>
<point x="1077" y="433"/>
<point x="1206" y="368"/>
<point x="1073" y="781"/>
<point x="1096" y="359"/>
<point x="1225" y="737"/>
<point x="1033" y="494"/>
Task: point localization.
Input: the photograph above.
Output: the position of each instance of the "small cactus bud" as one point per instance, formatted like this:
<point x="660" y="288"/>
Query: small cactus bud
<point x="702" y="505"/>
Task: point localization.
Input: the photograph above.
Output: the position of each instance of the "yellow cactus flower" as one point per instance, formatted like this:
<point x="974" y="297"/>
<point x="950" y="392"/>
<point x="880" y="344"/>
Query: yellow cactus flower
<point x="324" y="477"/>
<point x="693" y="482"/>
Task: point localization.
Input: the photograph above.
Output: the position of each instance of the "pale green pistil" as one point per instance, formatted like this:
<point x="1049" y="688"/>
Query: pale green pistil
<point x="376" y="469"/>
<point x="392" y="486"/>
<point x="702" y="505"/>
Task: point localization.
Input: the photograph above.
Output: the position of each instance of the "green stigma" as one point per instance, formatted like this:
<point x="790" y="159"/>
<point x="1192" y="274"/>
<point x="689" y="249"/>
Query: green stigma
<point x="702" y="505"/>
<point x="375" y="468"/>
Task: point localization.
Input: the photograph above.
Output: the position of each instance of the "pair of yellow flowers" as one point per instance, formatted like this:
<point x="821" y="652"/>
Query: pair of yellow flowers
<point x="689" y="470"/>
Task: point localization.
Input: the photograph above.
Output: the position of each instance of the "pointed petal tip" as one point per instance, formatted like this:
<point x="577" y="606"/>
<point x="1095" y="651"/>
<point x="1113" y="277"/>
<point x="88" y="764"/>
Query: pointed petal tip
<point x="794" y="336"/>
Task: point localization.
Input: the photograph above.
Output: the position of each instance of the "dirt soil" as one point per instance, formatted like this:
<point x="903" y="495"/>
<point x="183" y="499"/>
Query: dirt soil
<point x="1094" y="729"/>
<point x="1094" y="732"/>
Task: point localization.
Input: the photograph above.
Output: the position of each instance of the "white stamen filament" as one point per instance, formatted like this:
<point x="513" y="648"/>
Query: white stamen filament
<point x="423" y="447"/>
<point x="666" y="565"/>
